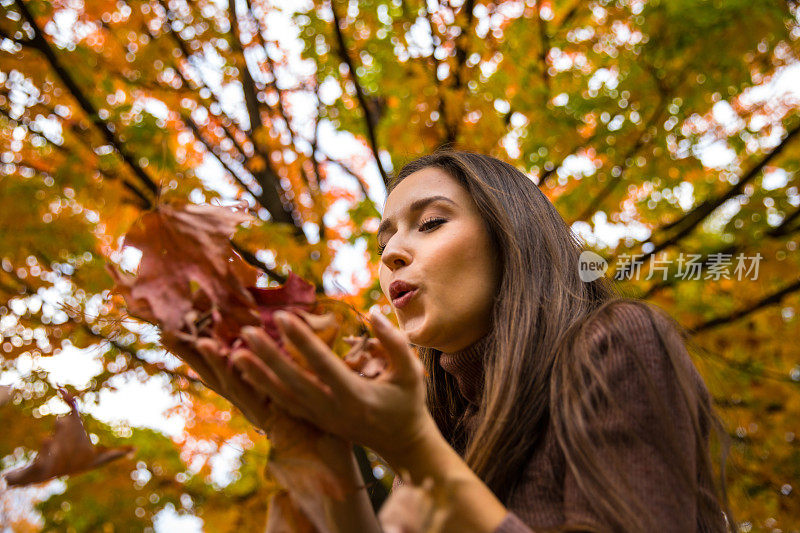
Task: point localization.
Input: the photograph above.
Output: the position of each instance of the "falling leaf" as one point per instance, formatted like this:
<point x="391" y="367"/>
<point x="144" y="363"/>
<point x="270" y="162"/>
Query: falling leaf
<point x="69" y="451"/>
<point x="283" y="516"/>
<point x="414" y="508"/>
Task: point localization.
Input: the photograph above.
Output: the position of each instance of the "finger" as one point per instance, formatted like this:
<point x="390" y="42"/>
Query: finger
<point x="257" y="374"/>
<point x="261" y="378"/>
<point x="299" y="381"/>
<point x="189" y="354"/>
<point x="230" y="385"/>
<point x="331" y="369"/>
<point x="197" y="363"/>
<point x="402" y="358"/>
<point x="216" y="362"/>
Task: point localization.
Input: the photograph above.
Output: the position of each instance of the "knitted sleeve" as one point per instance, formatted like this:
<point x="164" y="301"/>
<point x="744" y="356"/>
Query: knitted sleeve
<point x="631" y="430"/>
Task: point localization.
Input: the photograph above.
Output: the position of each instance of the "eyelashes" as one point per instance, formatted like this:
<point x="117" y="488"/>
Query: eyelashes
<point x="428" y="223"/>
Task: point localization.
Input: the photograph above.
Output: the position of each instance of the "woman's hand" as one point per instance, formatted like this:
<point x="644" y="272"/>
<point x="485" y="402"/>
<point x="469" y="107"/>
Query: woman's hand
<point x="205" y="358"/>
<point x="318" y="469"/>
<point x="387" y="413"/>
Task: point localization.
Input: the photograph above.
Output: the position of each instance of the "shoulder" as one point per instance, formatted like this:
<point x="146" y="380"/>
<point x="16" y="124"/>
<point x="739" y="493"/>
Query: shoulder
<point x="634" y="329"/>
<point x="629" y="319"/>
<point x="632" y="351"/>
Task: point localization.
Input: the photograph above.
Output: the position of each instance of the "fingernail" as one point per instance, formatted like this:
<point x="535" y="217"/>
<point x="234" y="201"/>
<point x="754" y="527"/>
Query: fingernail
<point x="238" y="358"/>
<point x="281" y="317"/>
<point x="247" y="332"/>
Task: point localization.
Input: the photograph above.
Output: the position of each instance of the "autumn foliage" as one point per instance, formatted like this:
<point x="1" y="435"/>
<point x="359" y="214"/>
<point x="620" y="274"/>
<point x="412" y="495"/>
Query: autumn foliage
<point x="665" y="131"/>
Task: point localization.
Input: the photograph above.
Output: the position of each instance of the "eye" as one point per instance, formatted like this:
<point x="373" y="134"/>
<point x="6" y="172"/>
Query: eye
<point x="426" y="225"/>
<point x="431" y="222"/>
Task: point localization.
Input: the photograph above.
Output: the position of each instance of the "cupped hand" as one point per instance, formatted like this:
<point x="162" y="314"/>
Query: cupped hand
<point x="205" y="356"/>
<point x="386" y="414"/>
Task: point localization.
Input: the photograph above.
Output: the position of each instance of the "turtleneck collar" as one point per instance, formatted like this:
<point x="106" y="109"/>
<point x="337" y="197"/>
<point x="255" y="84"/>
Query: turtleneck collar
<point x="466" y="366"/>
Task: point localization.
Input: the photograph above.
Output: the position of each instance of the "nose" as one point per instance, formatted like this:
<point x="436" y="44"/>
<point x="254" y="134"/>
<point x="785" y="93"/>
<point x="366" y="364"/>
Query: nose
<point x="395" y="255"/>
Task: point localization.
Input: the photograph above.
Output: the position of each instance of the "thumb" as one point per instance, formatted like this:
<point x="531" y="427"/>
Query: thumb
<point x="402" y="357"/>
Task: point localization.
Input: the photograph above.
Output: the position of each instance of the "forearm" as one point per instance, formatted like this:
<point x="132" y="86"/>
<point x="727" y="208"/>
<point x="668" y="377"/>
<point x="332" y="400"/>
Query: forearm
<point x="474" y="507"/>
<point x="355" y="512"/>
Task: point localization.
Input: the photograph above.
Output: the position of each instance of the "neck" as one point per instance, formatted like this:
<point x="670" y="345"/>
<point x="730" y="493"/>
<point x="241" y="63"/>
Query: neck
<point x="466" y="366"/>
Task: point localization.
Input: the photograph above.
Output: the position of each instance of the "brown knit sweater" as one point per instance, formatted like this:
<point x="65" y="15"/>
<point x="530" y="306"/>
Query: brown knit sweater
<point x="548" y="496"/>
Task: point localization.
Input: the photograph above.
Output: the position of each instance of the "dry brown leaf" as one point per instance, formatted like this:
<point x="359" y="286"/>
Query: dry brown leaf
<point x="283" y="516"/>
<point x="189" y="279"/>
<point x="69" y="451"/>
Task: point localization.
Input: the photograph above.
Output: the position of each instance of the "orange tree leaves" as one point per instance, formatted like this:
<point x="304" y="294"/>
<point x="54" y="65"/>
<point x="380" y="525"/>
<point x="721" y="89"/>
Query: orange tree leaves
<point x="610" y="107"/>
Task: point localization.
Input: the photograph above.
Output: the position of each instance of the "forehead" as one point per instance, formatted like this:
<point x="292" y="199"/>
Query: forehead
<point x="423" y="184"/>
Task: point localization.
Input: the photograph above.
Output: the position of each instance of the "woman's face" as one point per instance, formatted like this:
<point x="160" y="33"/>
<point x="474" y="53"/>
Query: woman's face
<point x="435" y="240"/>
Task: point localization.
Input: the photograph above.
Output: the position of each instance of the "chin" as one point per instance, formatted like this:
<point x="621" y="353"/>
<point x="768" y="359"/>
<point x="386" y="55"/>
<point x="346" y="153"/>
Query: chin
<point x="414" y="328"/>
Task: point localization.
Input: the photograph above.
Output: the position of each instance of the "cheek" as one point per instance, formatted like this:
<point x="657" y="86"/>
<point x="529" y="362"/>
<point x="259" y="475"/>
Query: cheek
<point x="478" y="269"/>
<point x="464" y="266"/>
<point x="381" y="279"/>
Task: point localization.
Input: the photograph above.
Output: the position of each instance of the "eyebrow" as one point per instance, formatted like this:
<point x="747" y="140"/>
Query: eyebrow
<point x="416" y="205"/>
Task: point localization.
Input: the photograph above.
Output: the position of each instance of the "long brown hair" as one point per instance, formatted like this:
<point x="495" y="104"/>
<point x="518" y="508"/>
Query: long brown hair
<point x="540" y="367"/>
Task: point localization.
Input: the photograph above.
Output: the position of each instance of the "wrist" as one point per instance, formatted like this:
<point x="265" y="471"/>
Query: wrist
<point x="427" y="454"/>
<point x="473" y="506"/>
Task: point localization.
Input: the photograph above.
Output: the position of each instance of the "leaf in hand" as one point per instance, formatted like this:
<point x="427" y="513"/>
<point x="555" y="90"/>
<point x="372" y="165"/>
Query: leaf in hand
<point x="189" y="277"/>
<point x="365" y="356"/>
<point x="196" y="288"/>
<point x="283" y="516"/>
<point x="68" y="451"/>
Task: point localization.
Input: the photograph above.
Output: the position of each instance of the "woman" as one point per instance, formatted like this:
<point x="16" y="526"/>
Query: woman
<point x="538" y="401"/>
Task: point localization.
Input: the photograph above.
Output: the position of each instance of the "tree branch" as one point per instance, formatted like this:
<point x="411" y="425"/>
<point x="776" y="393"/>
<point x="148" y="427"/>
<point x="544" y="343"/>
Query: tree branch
<point x="545" y="44"/>
<point x="781" y="230"/>
<point x="693" y="218"/>
<point x="450" y="129"/>
<point x="267" y="178"/>
<point x="143" y="199"/>
<point x="771" y="299"/>
<point x="41" y="44"/>
<point x="548" y="174"/>
<point x="642" y="139"/>
<point x="370" y="114"/>
<point x="248" y="84"/>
